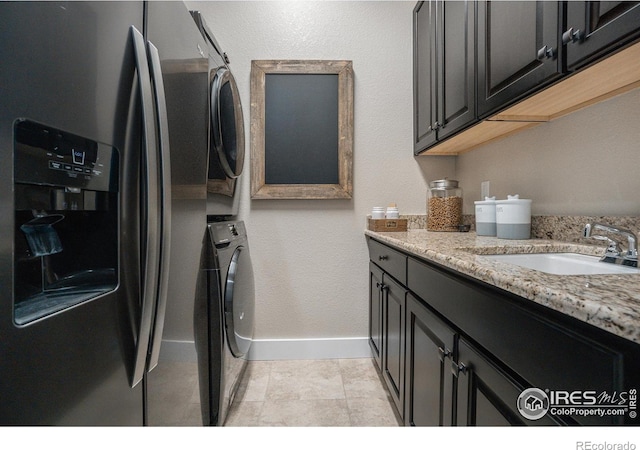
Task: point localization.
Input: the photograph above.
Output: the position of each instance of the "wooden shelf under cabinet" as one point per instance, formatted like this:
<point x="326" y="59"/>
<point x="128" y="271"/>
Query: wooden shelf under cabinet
<point x="612" y="76"/>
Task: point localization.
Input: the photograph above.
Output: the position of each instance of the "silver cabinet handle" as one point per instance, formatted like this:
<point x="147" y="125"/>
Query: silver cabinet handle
<point x="444" y="353"/>
<point x="150" y="210"/>
<point x="165" y="203"/>
<point x="458" y="368"/>
<point x="572" y="35"/>
<point x="546" y="52"/>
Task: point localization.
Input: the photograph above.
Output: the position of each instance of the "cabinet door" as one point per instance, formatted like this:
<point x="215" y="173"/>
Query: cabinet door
<point x="375" y="313"/>
<point x="394" y="340"/>
<point x="429" y="382"/>
<point x="517" y="50"/>
<point x="444" y="70"/>
<point x="595" y="28"/>
<point x="456" y="66"/>
<point x="486" y="396"/>
<point x="424" y="75"/>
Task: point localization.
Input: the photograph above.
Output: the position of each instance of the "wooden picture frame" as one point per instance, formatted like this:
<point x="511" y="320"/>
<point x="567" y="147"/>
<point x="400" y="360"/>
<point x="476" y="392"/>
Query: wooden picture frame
<point x="340" y="188"/>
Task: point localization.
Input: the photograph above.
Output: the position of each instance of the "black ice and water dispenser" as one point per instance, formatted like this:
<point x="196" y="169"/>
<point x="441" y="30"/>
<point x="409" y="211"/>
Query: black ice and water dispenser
<point x="66" y="220"/>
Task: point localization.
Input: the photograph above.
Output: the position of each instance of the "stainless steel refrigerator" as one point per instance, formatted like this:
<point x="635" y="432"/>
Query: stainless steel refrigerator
<point x="103" y="147"/>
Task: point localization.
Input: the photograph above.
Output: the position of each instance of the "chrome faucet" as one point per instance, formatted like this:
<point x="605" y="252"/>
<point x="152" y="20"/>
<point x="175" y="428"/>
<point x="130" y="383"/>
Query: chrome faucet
<point x="614" y="254"/>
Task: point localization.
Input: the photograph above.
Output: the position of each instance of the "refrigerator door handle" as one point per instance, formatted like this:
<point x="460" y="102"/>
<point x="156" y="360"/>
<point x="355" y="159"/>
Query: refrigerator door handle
<point x="150" y="200"/>
<point x="165" y="205"/>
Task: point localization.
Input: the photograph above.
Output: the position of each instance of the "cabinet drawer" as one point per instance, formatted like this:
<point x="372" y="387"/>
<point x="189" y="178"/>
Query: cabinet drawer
<point x="391" y="261"/>
<point x="543" y="349"/>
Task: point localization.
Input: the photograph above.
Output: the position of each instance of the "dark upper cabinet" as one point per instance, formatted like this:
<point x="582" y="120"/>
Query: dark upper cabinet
<point x="424" y="76"/>
<point x="429" y="389"/>
<point x="518" y="50"/>
<point x="472" y="60"/>
<point x="594" y="29"/>
<point x="444" y="70"/>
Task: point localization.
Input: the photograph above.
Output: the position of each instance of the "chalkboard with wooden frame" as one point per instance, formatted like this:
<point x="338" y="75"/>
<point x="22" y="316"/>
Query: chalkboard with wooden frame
<point x="301" y="129"/>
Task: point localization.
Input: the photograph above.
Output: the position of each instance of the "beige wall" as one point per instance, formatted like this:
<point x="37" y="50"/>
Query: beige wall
<point x="310" y="257"/>
<point x="587" y="163"/>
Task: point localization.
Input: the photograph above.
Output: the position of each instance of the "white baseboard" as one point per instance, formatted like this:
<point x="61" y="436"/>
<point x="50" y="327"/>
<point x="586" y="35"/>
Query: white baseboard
<point x="280" y="349"/>
<point x="331" y="348"/>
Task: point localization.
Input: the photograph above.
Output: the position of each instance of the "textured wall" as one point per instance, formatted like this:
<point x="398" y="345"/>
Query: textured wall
<point x="310" y="257"/>
<point x="586" y="163"/>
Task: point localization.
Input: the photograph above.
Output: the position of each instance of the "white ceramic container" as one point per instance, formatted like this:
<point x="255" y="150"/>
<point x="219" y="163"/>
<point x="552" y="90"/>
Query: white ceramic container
<point x="486" y="217"/>
<point x="513" y="218"/>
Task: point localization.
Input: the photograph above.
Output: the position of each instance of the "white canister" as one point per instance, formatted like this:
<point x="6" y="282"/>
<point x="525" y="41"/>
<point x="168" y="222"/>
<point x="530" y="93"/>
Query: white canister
<point x="513" y="218"/>
<point x="377" y="212"/>
<point x="486" y="217"/>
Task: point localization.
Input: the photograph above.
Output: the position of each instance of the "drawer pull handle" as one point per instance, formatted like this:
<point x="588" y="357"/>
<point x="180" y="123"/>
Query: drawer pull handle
<point x="546" y="52"/>
<point x="444" y="353"/>
<point x="383" y="258"/>
<point x="381" y="286"/>
<point x="572" y="35"/>
<point x="458" y="368"/>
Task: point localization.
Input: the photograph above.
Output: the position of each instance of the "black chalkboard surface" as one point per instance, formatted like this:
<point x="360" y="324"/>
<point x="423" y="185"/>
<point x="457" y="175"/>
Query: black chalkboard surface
<point x="301" y="128"/>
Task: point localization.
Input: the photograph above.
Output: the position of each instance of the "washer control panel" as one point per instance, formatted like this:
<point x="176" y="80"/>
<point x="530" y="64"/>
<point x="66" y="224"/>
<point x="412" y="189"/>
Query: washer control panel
<point x="225" y="232"/>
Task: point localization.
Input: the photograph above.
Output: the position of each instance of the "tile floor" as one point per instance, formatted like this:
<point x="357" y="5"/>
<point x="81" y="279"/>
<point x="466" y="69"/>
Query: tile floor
<point x="335" y="393"/>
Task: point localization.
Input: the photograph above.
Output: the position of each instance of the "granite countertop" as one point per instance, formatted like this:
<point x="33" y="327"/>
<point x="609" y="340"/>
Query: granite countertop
<point x="609" y="302"/>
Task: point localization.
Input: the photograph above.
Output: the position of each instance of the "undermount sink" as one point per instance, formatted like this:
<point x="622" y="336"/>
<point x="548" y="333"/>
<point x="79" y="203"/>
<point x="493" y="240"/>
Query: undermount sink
<point x="563" y="263"/>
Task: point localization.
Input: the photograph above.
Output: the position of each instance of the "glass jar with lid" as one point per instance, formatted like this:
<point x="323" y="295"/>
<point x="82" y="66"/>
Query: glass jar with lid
<point x="444" y="205"/>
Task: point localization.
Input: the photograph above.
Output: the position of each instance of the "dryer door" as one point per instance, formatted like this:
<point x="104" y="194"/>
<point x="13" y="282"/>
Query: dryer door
<point x="227" y="125"/>
<point x="239" y="302"/>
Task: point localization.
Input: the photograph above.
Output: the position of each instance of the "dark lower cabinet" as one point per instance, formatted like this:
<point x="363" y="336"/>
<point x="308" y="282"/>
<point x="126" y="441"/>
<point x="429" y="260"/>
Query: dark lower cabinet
<point x="456" y="351"/>
<point x="486" y="395"/>
<point x="375" y="313"/>
<point x="518" y="50"/>
<point x="597" y="28"/>
<point x="540" y="347"/>
<point x="429" y="388"/>
<point x="393" y="348"/>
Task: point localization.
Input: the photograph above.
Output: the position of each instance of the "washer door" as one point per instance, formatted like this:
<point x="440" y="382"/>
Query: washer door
<point x="227" y="124"/>
<point x="239" y="302"/>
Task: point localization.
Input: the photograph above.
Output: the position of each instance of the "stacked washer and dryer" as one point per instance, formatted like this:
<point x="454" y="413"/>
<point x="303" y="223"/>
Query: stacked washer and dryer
<point x="226" y="271"/>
